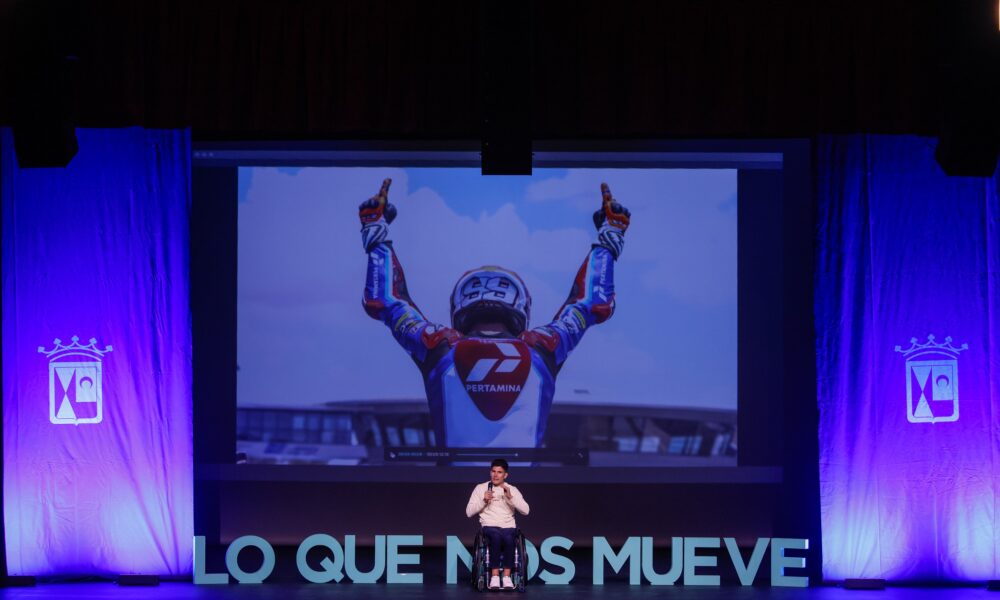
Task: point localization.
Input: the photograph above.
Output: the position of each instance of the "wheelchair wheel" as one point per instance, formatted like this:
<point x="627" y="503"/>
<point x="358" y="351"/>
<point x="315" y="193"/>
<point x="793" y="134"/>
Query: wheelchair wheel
<point x="478" y="564"/>
<point x="520" y="573"/>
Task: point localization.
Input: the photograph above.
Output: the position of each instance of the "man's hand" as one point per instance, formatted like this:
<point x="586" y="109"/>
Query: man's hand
<point x="507" y="492"/>
<point x="489" y="496"/>
<point x="611" y="212"/>
<point x="378" y="206"/>
<point x="611" y="221"/>
<point x="376" y="213"/>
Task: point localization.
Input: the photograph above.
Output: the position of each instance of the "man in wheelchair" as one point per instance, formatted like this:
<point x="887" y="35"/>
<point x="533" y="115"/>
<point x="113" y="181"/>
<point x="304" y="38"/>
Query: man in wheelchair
<point x="495" y="502"/>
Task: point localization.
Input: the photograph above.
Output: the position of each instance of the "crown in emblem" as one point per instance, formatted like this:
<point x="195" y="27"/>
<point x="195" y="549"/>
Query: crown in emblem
<point x="918" y="349"/>
<point x="75" y="348"/>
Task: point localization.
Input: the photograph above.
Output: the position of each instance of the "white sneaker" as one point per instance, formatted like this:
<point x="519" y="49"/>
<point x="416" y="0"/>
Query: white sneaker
<point x="494" y="583"/>
<point x="507" y="583"/>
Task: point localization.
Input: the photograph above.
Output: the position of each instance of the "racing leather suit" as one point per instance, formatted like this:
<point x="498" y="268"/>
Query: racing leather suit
<point x="489" y="392"/>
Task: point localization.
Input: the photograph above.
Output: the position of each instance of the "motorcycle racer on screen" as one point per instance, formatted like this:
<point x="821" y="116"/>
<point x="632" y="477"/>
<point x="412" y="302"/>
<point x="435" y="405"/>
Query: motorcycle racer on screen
<point x="488" y="377"/>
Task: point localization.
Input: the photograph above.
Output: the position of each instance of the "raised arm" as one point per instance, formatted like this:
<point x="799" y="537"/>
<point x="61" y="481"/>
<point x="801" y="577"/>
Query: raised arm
<point x="386" y="297"/>
<point x="592" y="298"/>
<point x="477" y="502"/>
<point x="516" y="500"/>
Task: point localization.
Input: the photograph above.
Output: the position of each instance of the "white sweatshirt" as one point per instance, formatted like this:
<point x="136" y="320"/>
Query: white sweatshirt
<point x="500" y="512"/>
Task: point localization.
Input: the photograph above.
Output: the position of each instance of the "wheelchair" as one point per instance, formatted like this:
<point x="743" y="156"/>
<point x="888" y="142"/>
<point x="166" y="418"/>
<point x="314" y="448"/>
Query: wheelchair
<point x="481" y="562"/>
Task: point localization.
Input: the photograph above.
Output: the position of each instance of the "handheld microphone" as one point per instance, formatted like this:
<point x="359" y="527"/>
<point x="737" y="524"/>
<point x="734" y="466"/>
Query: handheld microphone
<point x="490" y="486"/>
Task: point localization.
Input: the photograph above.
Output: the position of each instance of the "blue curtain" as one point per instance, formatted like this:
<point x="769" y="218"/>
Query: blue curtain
<point x="908" y="362"/>
<point x="97" y="358"/>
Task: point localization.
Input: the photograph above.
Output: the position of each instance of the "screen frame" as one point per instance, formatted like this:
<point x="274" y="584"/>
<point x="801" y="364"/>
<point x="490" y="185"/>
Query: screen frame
<point x="215" y="164"/>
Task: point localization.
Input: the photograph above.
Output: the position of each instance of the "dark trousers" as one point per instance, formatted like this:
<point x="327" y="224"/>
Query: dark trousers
<point x="500" y="541"/>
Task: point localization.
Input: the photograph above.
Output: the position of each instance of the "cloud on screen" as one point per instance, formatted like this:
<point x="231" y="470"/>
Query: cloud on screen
<point x="304" y="338"/>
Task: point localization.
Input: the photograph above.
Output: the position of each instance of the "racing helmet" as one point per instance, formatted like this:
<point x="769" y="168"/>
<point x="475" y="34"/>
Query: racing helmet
<point x="490" y="294"/>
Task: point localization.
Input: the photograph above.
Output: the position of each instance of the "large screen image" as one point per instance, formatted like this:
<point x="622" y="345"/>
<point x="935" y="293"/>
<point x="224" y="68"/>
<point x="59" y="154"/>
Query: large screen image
<point x="502" y="318"/>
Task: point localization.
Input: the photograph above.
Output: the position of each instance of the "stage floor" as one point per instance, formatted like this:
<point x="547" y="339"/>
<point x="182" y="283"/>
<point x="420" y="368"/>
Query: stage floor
<point x="183" y="591"/>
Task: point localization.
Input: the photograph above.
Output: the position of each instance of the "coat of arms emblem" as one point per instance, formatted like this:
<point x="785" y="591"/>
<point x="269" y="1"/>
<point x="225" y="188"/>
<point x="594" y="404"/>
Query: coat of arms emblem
<point x="931" y="380"/>
<point x="75" y="382"/>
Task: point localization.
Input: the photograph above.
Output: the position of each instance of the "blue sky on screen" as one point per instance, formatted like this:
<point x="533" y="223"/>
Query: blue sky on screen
<point x="304" y="339"/>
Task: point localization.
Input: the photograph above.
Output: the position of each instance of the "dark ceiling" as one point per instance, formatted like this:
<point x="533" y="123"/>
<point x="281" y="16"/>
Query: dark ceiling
<point x="299" y="69"/>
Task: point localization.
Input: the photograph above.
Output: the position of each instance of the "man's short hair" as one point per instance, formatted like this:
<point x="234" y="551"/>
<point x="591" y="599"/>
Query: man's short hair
<point x="500" y="463"/>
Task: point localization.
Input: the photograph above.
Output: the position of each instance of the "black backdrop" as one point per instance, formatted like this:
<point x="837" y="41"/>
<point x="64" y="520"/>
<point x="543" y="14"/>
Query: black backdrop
<point x="258" y="69"/>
